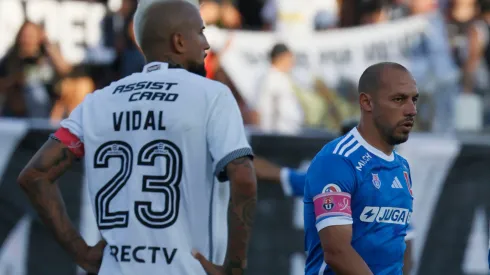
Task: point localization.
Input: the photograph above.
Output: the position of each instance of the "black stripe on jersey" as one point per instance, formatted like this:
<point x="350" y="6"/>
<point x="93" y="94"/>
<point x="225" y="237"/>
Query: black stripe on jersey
<point x="52" y="136"/>
<point x="220" y="170"/>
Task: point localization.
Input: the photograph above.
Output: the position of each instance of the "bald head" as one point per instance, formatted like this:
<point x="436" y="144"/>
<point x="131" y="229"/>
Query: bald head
<point x="171" y="31"/>
<point x="388" y="99"/>
<point x="375" y="76"/>
<point x="156" y="21"/>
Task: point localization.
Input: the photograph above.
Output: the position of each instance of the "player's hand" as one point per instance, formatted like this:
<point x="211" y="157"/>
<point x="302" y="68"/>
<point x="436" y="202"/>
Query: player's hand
<point x="208" y="266"/>
<point x="92" y="258"/>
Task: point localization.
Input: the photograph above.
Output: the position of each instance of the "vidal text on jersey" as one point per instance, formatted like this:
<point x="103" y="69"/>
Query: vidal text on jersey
<point x="137" y="120"/>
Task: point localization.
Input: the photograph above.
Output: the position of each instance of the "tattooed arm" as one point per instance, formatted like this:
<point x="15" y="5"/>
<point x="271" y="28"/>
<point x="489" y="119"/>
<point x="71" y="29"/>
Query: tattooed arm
<point x="243" y="199"/>
<point x="38" y="182"/>
<point x="232" y="161"/>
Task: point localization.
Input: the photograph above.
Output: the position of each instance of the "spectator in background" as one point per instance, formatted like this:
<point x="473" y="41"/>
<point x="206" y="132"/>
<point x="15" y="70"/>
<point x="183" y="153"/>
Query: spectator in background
<point x="29" y="72"/>
<point x="373" y="12"/>
<point x="339" y="105"/>
<point x="434" y="70"/>
<point x="325" y="20"/>
<point x="210" y="11"/>
<point x="398" y="9"/>
<point x="349" y="14"/>
<point x="114" y="27"/>
<point x="226" y="16"/>
<point x="72" y="90"/>
<point x="297" y="17"/>
<point x="131" y="58"/>
<point x="277" y="103"/>
<point x="475" y="68"/>
<point x="115" y="24"/>
<point x="460" y="16"/>
<point x="223" y="15"/>
<point x="230" y="16"/>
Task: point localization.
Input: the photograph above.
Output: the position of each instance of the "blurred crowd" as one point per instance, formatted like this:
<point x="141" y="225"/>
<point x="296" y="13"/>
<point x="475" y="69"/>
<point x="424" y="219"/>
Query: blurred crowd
<point x="37" y="82"/>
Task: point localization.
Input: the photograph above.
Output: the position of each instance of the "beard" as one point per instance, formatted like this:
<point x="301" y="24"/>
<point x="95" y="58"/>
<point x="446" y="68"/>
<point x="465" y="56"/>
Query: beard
<point x="197" y="68"/>
<point x="390" y="134"/>
<point x="395" y="139"/>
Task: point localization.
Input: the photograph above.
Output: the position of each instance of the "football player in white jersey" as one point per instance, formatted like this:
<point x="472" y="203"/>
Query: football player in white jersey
<point x="156" y="146"/>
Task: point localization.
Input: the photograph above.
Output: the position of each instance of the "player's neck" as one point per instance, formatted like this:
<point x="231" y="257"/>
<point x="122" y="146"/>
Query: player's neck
<point x="166" y="59"/>
<point x="372" y="136"/>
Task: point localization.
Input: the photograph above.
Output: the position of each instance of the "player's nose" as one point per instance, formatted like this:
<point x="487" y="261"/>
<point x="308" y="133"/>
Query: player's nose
<point x="411" y="109"/>
<point x="206" y="44"/>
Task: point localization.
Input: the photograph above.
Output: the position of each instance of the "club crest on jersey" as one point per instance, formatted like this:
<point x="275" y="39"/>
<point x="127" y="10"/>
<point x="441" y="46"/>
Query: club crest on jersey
<point x="114" y="148"/>
<point x="376" y="181"/>
<point x="331" y="187"/>
<point x="328" y="203"/>
<point x="407" y="180"/>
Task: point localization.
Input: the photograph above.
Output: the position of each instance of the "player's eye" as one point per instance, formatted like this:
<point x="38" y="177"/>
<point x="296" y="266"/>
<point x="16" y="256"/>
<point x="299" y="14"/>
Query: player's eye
<point x="398" y="99"/>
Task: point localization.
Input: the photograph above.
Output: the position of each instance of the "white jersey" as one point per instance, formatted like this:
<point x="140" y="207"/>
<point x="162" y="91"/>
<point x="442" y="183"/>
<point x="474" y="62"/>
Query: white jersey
<point x="154" y="143"/>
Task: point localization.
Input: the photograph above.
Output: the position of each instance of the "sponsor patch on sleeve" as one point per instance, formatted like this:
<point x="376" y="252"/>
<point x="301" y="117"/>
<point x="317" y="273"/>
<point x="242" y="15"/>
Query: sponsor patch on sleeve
<point x="331" y="187"/>
<point x="332" y="204"/>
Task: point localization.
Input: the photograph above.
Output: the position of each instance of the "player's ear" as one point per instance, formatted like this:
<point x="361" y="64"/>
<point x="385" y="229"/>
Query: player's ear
<point x="178" y="42"/>
<point x="365" y="100"/>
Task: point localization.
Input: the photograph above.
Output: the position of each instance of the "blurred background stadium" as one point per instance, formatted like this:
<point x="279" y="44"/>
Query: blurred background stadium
<point x="292" y="66"/>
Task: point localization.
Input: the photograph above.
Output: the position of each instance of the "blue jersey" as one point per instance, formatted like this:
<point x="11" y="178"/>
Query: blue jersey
<point x="293" y="182"/>
<point x="351" y="182"/>
<point x="294" y="185"/>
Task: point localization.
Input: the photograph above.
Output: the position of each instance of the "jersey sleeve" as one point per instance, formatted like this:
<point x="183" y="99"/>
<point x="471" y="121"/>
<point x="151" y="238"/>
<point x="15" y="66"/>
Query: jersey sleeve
<point x="71" y="132"/>
<point x="226" y="137"/>
<point x="292" y="182"/>
<point x="330" y="182"/>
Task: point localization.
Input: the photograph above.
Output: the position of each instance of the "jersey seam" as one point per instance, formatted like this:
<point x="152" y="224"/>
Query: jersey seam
<point x="238" y="153"/>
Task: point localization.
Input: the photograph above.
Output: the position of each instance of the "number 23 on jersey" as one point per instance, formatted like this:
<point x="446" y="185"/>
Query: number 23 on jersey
<point x="167" y="184"/>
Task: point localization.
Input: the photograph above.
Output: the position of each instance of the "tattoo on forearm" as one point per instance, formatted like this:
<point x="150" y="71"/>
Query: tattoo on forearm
<point x="37" y="181"/>
<point x="240" y="221"/>
<point x="241" y="212"/>
<point x="49" y="204"/>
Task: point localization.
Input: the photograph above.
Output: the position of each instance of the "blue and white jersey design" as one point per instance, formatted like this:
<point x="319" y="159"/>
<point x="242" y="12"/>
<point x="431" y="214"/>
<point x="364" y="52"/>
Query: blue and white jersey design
<point x="351" y="182"/>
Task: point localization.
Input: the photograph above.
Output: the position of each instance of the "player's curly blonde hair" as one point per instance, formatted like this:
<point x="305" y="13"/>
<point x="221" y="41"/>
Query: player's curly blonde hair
<point x="143" y="6"/>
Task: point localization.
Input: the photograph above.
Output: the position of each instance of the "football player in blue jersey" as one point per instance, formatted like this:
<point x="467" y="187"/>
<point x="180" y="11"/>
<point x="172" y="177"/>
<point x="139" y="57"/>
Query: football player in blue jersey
<point x="358" y="195"/>
<point x="293" y="182"/>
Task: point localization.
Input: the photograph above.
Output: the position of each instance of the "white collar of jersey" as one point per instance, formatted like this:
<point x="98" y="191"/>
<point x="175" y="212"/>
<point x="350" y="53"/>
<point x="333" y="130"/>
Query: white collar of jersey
<point x="155" y="66"/>
<point x="370" y="148"/>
